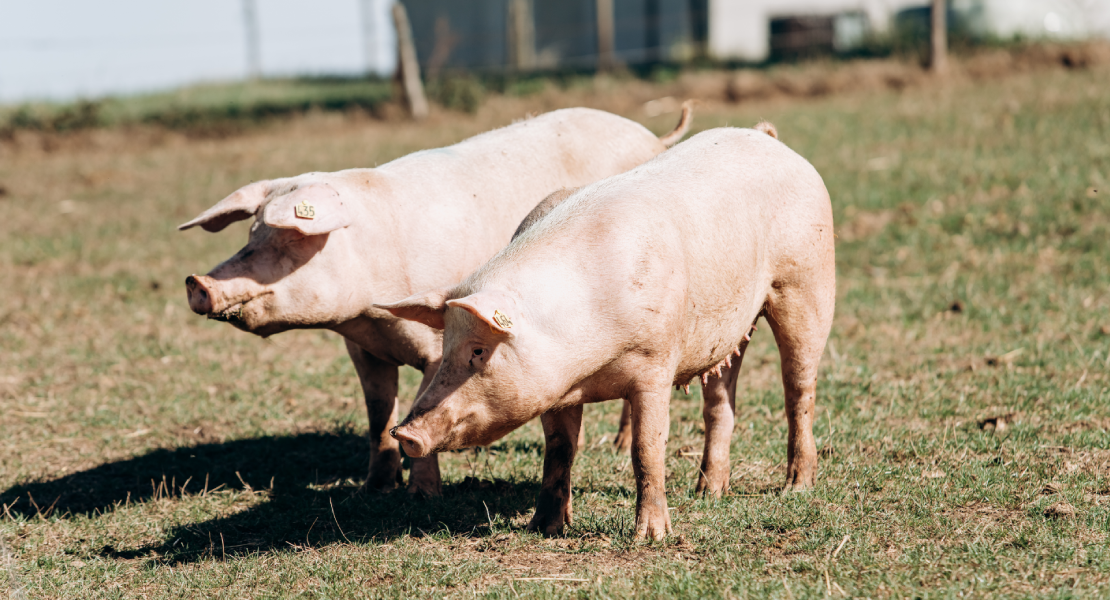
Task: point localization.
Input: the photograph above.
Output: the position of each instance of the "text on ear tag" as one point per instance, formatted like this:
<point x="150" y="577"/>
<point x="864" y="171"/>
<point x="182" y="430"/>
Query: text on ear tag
<point x="502" y="320"/>
<point x="304" y="210"/>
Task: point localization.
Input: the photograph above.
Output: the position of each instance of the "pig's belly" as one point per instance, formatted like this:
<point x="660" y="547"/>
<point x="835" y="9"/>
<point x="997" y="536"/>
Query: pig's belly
<point x="713" y="335"/>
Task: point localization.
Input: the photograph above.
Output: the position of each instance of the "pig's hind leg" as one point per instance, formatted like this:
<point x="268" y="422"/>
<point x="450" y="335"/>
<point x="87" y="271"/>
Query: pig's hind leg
<point x="379" y="389"/>
<point x="623" y="441"/>
<point x="561" y="429"/>
<point x="801" y="318"/>
<point x="718" y="411"/>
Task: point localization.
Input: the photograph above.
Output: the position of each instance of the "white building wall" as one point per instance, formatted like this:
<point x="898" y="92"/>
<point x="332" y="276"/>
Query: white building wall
<point x="1062" y="19"/>
<point x="740" y="29"/>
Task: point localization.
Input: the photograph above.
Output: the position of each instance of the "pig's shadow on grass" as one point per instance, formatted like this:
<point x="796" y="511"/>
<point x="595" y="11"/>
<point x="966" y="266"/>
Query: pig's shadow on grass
<point x="309" y="481"/>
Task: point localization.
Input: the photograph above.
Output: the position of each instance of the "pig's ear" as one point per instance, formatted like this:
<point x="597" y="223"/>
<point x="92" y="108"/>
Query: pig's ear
<point x="426" y="308"/>
<point x="314" y="209"/>
<point x="498" y="309"/>
<point x="241" y="204"/>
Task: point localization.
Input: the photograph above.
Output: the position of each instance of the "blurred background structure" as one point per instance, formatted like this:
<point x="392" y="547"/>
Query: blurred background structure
<point x="65" y="49"/>
<point x="538" y="34"/>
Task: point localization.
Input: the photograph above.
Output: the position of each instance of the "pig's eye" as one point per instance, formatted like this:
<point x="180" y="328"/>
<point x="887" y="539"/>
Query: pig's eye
<point x="478" y="358"/>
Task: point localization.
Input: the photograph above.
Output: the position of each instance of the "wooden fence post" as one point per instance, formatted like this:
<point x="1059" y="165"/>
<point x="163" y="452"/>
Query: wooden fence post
<point x="606" y="61"/>
<point x="408" y="70"/>
<point x="938" y="61"/>
<point x="522" y="35"/>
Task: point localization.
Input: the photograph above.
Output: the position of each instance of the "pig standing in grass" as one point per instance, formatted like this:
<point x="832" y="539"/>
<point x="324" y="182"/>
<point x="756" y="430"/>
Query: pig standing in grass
<point x="325" y="246"/>
<point x="630" y="286"/>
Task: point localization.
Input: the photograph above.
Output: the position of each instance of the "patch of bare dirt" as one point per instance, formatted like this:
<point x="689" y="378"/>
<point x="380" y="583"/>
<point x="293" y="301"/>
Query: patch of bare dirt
<point x="533" y="564"/>
<point x="1060" y="510"/>
<point x="823" y="78"/>
<point x="567" y="567"/>
<point x="1087" y="424"/>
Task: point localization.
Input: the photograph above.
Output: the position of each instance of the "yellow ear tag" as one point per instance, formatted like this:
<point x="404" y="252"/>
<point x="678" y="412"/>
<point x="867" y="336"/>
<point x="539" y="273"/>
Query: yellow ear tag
<point x="502" y="320"/>
<point x="304" y="210"/>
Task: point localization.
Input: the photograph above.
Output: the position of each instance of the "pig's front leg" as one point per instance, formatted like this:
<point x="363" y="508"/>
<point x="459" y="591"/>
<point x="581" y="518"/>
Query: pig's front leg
<point x="651" y="423"/>
<point x="424" y="477"/>
<point x="379" y="388"/>
<point x="561" y="430"/>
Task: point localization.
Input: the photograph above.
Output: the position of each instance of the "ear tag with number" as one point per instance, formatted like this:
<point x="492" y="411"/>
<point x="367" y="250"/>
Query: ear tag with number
<point x="502" y="320"/>
<point x="304" y="210"/>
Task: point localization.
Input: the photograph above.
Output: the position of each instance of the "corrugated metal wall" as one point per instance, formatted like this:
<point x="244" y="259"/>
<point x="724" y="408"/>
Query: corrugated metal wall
<point x="474" y="34"/>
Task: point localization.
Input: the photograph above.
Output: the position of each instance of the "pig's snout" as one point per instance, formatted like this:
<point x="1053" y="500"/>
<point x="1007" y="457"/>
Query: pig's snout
<point x="411" y="442"/>
<point x="200" y="297"/>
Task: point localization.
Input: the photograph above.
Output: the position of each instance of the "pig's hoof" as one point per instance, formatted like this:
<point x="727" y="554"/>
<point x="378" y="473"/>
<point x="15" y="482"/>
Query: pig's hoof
<point x="653" y="529"/>
<point x="800" y="485"/>
<point x="800" y="478"/>
<point x="712" y="487"/>
<point x="653" y="525"/>
<point x="378" y="485"/>
<point x="549" y="524"/>
<point x="623" y="443"/>
<point x="426" y="489"/>
<point x="382" y="479"/>
<point x="385" y="473"/>
<point x="369" y="487"/>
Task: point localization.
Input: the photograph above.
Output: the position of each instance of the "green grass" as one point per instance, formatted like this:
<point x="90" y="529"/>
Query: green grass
<point x="150" y="453"/>
<point x="210" y="108"/>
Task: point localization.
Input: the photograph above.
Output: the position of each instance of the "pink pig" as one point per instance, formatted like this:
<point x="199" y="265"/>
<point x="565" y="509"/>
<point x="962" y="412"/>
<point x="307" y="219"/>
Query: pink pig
<point x="630" y="286"/>
<point x="325" y="246"/>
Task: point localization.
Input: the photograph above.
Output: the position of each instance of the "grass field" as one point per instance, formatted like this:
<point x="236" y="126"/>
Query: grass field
<point x="206" y="109"/>
<point x="963" y="407"/>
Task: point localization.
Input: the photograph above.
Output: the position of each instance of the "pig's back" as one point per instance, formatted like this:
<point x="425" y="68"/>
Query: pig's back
<point x="464" y="202"/>
<point x="723" y="191"/>
<point x="742" y="191"/>
<point x="563" y="148"/>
